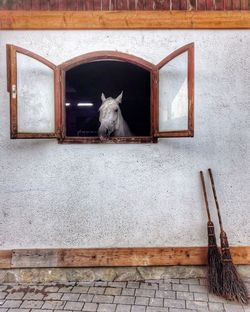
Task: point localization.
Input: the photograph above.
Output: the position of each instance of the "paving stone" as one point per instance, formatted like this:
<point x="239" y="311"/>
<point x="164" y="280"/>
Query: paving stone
<point x="80" y="289"/>
<point x="113" y="291"/>
<point x="51" y="289"/>
<point x="105" y="307"/>
<point x="123" y="308"/>
<point x="96" y="290"/>
<point x="192" y="281"/>
<point x="203" y="281"/>
<point x="3" y="295"/>
<point x="179" y="310"/>
<point x="33" y="296"/>
<point x="214" y="298"/>
<point x="233" y="307"/>
<point x="141" y="300"/>
<point x="117" y="284"/>
<point x="41" y="310"/>
<point x="156" y="309"/>
<point x="72" y="305"/>
<point x="201" y="296"/>
<point x="165" y="294"/>
<point x="180" y="287"/>
<point x="149" y="286"/>
<point x="198" y="288"/>
<point x="165" y="286"/>
<point x="145" y="292"/>
<point x="53" y="296"/>
<point x="70" y="297"/>
<point x="3" y="309"/>
<point x="184" y="295"/>
<point x="103" y="299"/>
<point x="172" y="280"/>
<point x="138" y="309"/>
<point x="19" y="310"/>
<point x="54" y="305"/>
<point x="90" y="307"/>
<point x="101" y="283"/>
<point x="85" y="297"/>
<point x="171" y="303"/>
<point x="124" y="299"/>
<point x="128" y="291"/>
<point x="133" y="285"/>
<point x="12" y="304"/>
<point x="32" y="304"/>
<point x="197" y="305"/>
<point x="65" y="289"/>
<point x="15" y="295"/>
<point x="216" y="307"/>
<point x="156" y="302"/>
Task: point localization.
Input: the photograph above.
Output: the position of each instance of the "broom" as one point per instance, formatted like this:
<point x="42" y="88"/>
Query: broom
<point x="233" y="287"/>
<point x="213" y="256"/>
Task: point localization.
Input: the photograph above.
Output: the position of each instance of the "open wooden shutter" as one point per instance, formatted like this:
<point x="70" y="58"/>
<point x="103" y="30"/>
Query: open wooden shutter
<point x="175" y="101"/>
<point x="34" y="87"/>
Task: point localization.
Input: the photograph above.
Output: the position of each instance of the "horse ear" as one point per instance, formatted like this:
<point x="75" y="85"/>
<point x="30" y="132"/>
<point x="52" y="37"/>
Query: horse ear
<point x="119" y="98"/>
<point x="103" y="97"/>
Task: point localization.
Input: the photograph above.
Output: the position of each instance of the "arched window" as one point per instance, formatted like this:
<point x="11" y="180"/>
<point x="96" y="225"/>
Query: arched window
<point x="102" y="96"/>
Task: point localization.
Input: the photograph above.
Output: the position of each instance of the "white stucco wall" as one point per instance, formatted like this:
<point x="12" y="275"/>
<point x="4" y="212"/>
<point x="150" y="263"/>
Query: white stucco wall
<point x="132" y="195"/>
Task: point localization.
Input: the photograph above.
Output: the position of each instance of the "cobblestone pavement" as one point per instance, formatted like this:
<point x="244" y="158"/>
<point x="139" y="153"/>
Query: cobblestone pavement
<point x="172" y="295"/>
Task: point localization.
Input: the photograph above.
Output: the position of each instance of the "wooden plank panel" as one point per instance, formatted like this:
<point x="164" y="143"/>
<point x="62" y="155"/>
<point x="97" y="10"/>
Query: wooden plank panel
<point x="98" y="257"/>
<point x="201" y="4"/>
<point x="35" y="4"/>
<point x="54" y="5"/>
<point x="35" y="258"/>
<point x="244" y="4"/>
<point x="175" y="4"/>
<point x="105" y="5"/>
<point x="219" y="5"/>
<point x="122" y="5"/>
<point x="97" y="4"/>
<point x="44" y="5"/>
<point x="5" y="259"/>
<point x="228" y="4"/>
<point x="138" y="5"/>
<point x="236" y="4"/>
<point x="124" y="20"/>
<point x="62" y="4"/>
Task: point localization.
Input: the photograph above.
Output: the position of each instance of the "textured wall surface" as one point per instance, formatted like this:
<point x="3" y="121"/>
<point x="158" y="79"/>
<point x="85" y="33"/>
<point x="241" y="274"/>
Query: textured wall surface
<point x="132" y="195"/>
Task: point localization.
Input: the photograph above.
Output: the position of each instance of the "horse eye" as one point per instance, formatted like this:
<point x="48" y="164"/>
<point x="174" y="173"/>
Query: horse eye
<point x="116" y="110"/>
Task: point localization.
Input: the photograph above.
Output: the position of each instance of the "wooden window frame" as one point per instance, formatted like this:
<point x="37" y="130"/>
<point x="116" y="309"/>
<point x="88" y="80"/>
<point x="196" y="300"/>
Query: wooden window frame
<point x="59" y="94"/>
<point x="109" y="55"/>
<point x="12" y="88"/>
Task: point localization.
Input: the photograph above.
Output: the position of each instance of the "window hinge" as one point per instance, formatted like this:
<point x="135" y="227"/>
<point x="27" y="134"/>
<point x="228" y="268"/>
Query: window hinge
<point x="13" y="91"/>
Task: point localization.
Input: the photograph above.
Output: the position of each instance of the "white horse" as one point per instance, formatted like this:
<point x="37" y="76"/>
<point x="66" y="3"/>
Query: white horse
<point x="112" y="122"/>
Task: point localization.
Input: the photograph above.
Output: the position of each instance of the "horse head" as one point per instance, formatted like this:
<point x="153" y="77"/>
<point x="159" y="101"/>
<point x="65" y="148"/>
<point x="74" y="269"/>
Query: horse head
<point x="110" y="116"/>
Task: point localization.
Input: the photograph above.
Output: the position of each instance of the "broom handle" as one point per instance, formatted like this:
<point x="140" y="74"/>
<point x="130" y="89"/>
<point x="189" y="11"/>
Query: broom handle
<point x="215" y="198"/>
<point x="205" y="195"/>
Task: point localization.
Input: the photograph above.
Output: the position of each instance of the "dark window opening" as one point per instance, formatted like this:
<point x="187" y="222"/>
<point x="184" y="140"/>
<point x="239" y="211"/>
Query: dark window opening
<point x="84" y="86"/>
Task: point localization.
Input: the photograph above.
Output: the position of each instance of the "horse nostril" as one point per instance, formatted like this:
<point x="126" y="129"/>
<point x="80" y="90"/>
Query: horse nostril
<point x="107" y="131"/>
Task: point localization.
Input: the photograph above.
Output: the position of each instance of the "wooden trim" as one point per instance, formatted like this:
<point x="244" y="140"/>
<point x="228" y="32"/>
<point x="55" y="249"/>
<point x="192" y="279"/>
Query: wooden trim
<point x="107" y="257"/>
<point x="117" y="140"/>
<point x="124" y="20"/>
<point x="175" y="134"/>
<point x="106" y="55"/>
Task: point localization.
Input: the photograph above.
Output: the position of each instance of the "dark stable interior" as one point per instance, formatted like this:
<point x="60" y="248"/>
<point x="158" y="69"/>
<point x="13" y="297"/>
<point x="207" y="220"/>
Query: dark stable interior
<point x="85" y="84"/>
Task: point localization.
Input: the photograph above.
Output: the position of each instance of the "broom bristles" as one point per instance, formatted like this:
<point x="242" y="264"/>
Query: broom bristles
<point x="214" y="262"/>
<point x="233" y="286"/>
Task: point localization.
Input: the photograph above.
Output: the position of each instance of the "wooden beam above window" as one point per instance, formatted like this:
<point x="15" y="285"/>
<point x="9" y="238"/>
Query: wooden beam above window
<point x="124" y="20"/>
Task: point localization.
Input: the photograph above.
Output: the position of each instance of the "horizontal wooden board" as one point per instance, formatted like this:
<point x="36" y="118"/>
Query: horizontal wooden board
<point x="108" y="257"/>
<point x="125" y="20"/>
